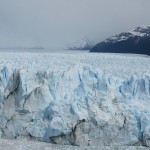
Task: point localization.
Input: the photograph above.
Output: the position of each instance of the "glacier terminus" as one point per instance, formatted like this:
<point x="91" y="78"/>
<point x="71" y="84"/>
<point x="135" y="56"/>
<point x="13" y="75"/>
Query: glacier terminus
<point x="76" y="99"/>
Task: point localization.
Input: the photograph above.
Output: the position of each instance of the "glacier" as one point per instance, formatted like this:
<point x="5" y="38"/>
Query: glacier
<point x="76" y="99"/>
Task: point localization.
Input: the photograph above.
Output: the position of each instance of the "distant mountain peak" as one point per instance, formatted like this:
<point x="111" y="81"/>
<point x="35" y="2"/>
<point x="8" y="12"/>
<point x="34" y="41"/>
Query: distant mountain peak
<point x="82" y="44"/>
<point x="141" y="31"/>
<point x="137" y="32"/>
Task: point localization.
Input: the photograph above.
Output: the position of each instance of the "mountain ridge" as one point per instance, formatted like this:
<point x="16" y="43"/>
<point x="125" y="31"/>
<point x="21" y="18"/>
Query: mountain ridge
<point x="136" y="41"/>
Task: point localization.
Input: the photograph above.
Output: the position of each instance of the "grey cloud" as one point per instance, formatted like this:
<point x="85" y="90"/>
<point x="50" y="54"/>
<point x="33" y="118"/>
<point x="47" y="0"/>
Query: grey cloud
<point x="55" y="23"/>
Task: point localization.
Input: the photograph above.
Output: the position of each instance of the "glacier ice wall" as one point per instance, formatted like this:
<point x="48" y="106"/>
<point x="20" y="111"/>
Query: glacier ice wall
<point x="76" y="100"/>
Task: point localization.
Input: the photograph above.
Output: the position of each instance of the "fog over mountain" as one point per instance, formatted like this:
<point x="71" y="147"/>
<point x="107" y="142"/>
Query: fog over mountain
<point x="55" y="23"/>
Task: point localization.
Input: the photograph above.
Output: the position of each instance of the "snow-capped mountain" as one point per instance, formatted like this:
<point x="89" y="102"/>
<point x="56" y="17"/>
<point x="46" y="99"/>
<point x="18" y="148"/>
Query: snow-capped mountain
<point x="135" y="41"/>
<point x="83" y="44"/>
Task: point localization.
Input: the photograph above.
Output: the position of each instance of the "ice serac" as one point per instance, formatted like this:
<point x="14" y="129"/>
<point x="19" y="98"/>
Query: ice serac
<point x="93" y="102"/>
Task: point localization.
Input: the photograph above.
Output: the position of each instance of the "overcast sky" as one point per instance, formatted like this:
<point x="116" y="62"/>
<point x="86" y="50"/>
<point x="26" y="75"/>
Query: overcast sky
<point x="57" y="23"/>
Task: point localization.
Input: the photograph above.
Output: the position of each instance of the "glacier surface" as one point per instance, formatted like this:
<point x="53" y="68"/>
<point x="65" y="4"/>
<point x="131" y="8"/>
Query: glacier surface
<point x="76" y="99"/>
<point x="23" y="144"/>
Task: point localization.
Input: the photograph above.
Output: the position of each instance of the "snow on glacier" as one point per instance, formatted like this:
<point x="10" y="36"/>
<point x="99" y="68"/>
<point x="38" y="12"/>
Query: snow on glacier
<point x="23" y="144"/>
<point x="75" y="99"/>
